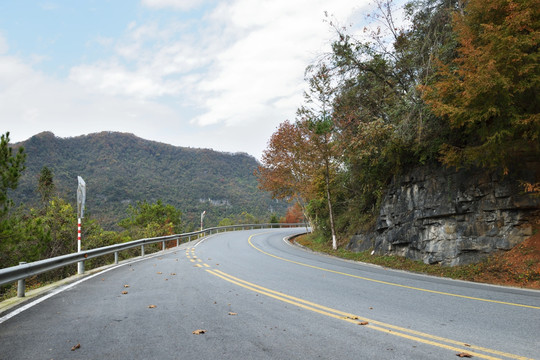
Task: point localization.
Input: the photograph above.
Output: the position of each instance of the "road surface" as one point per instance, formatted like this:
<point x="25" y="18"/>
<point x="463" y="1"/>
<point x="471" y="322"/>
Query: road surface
<point x="252" y="295"/>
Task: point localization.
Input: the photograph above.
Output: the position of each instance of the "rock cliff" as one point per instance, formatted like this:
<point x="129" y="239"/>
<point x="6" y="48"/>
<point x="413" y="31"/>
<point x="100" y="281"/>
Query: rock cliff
<point x="453" y="217"/>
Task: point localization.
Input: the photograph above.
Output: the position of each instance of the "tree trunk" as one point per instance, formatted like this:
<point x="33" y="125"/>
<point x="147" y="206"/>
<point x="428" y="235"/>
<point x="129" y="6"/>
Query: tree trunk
<point x="328" y="198"/>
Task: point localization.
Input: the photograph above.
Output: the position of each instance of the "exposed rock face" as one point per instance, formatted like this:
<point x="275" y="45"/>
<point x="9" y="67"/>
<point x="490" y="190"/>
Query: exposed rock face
<point x="452" y="217"/>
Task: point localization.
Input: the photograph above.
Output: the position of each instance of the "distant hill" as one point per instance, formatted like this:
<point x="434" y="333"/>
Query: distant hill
<point x="120" y="169"/>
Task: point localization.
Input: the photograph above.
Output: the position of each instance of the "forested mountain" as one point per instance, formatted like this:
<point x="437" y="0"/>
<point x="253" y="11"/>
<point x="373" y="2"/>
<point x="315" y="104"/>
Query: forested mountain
<point x="121" y="169"/>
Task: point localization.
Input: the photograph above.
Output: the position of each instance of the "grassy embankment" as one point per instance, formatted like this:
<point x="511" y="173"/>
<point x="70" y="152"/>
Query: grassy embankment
<point x="517" y="267"/>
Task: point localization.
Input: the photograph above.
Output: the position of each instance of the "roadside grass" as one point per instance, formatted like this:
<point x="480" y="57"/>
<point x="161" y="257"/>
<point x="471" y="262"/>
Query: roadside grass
<point x="518" y="267"/>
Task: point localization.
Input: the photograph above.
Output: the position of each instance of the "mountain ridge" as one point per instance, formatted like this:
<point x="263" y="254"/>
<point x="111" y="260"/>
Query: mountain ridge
<point x="121" y="169"/>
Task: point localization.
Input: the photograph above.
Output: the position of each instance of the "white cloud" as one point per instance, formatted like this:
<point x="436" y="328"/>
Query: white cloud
<point x="31" y="102"/>
<point x="272" y="44"/>
<point x="113" y="79"/>
<point x="236" y="73"/>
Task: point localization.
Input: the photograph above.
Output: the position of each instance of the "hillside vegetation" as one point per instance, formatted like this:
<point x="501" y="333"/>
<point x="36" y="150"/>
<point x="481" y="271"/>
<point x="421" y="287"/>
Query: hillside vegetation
<point x="121" y="169"/>
<point x="453" y="83"/>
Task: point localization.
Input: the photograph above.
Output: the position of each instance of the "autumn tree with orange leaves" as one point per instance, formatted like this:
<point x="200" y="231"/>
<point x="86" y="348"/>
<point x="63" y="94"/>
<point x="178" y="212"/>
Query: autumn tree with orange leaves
<point x="303" y="155"/>
<point x="490" y="93"/>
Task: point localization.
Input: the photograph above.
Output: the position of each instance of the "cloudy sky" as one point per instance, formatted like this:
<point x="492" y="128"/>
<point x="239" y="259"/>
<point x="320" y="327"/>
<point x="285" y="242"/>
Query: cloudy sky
<point x="197" y="73"/>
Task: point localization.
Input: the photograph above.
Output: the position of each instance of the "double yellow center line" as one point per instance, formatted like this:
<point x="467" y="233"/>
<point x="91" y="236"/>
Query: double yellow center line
<point x="413" y="335"/>
<point x="389" y="283"/>
<point x="440" y="342"/>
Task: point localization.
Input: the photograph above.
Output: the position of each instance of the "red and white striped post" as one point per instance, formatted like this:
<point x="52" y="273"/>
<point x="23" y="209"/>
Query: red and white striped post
<point x="79" y="235"/>
<point x="80" y="264"/>
<point x="81" y="198"/>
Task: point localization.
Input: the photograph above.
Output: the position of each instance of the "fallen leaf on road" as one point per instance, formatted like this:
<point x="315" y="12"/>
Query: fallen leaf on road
<point x="370" y="308"/>
<point x="173" y="273"/>
<point x="352" y="317"/>
<point x="231" y="313"/>
<point x="469" y="345"/>
<point x="124" y="292"/>
<point x="75" y="347"/>
<point x="199" y="332"/>
<point x="126" y="286"/>
<point x="151" y="306"/>
<point x="363" y="323"/>
<point x="464" y="354"/>
<point x="159" y="272"/>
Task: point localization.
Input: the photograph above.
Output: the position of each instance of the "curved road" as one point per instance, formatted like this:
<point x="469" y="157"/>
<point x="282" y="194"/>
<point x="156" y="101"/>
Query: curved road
<point x="258" y="297"/>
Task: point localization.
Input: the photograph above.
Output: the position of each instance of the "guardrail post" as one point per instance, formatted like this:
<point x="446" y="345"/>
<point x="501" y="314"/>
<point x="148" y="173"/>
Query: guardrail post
<point x="21" y="284"/>
<point x="80" y="267"/>
<point x="142" y="250"/>
<point x="163" y="245"/>
<point x="116" y="257"/>
<point x="177" y="242"/>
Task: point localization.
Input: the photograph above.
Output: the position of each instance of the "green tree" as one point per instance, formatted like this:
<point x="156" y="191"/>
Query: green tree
<point x="315" y="119"/>
<point x="46" y="187"/>
<point x="226" y="222"/>
<point x="11" y="168"/>
<point x="152" y="220"/>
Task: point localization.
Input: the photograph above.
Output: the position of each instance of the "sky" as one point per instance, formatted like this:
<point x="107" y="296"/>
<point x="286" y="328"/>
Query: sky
<point x="193" y="73"/>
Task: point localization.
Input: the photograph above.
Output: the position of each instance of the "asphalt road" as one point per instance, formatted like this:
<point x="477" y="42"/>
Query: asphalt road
<point x="257" y="297"/>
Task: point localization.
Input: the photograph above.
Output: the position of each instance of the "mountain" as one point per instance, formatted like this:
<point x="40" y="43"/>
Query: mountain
<point x="120" y="169"/>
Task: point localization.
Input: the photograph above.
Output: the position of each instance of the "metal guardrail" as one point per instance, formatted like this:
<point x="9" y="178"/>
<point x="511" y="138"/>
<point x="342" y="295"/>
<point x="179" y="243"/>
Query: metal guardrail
<point x="26" y="270"/>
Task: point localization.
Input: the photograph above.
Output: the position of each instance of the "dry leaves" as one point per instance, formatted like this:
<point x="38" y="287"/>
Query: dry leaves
<point x="363" y="323"/>
<point x="124" y="292"/>
<point x="76" y="347"/>
<point x="126" y="286"/>
<point x="233" y="313"/>
<point x="199" y="332"/>
<point x="464" y="354"/>
<point x="159" y="272"/>
<point x="173" y="273"/>
<point x="151" y="306"/>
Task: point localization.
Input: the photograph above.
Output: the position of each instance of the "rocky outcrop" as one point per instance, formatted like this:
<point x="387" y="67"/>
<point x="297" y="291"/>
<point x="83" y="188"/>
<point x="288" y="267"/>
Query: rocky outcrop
<point x="453" y="217"/>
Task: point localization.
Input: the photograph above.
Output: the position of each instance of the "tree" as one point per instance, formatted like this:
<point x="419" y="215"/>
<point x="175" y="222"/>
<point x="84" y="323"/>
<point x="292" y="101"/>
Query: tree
<point x="11" y="168"/>
<point x="226" y="222"/>
<point x="489" y="92"/>
<point x="294" y="214"/>
<point x="284" y="172"/>
<point x="46" y="187"/>
<point x="316" y="123"/>
<point x="152" y="220"/>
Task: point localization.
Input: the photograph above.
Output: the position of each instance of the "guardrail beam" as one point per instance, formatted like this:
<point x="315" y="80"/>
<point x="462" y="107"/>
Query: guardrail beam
<point x="25" y="270"/>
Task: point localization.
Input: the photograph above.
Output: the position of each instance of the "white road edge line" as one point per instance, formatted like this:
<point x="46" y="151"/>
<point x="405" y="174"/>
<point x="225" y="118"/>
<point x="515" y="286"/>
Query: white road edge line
<point x="69" y="286"/>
